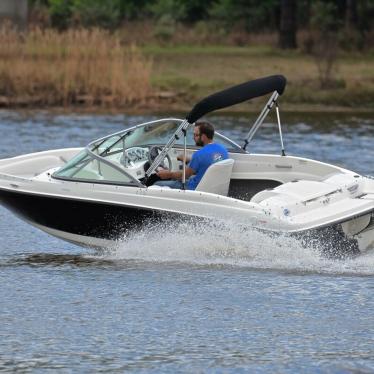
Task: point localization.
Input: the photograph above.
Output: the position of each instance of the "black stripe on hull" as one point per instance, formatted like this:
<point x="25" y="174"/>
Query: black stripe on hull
<point x="111" y="222"/>
<point x="82" y="217"/>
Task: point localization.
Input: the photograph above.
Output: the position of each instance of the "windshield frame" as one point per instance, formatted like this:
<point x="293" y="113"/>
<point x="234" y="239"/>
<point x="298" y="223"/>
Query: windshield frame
<point x="236" y="148"/>
<point x="100" y="155"/>
<point x="133" y="181"/>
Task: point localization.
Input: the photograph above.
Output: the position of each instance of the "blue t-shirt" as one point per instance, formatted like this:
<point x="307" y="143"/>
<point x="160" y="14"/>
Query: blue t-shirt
<point x="202" y="159"/>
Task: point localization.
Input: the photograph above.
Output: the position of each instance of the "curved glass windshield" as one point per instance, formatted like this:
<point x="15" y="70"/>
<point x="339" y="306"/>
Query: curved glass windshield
<point x="84" y="167"/>
<point x="124" y="157"/>
<point x="153" y="133"/>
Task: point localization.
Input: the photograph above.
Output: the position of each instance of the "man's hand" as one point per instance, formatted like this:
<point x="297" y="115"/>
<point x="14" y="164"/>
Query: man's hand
<point x="164" y="174"/>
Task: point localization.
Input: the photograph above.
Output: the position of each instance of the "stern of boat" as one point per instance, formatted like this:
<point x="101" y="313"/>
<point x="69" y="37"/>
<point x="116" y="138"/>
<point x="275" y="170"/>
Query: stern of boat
<point x="336" y="213"/>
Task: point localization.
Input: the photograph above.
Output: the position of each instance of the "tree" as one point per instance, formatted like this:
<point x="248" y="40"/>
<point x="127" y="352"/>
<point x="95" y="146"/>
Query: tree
<point x="351" y="16"/>
<point x="97" y="13"/>
<point x="254" y="15"/>
<point x="326" y="23"/>
<point x="288" y="24"/>
<point x="60" y="13"/>
<point x="189" y="11"/>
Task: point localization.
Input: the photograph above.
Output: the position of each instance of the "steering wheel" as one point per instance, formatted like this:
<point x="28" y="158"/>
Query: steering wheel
<point x="133" y="156"/>
<point x="154" y="151"/>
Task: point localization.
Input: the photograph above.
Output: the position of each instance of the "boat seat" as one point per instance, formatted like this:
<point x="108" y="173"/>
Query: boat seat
<point x="217" y="178"/>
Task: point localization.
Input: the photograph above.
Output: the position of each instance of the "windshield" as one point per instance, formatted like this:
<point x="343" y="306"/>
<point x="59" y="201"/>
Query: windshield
<point x="86" y="168"/>
<point x="124" y="157"/>
<point x="153" y="133"/>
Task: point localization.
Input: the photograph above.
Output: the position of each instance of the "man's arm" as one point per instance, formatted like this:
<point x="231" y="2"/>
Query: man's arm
<point x="167" y="174"/>
<point x="180" y="158"/>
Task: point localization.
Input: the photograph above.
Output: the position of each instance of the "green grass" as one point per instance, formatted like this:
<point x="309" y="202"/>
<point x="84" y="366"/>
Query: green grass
<point x="196" y="71"/>
<point x="220" y="50"/>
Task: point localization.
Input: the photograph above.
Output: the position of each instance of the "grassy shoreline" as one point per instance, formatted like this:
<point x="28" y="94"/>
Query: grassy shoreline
<point x="92" y="71"/>
<point x="167" y="108"/>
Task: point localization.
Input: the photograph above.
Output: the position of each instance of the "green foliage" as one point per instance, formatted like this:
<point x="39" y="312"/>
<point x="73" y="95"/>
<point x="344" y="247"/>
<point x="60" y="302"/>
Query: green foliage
<point x="165" y="8"/>
<point x="194" y="10"/>
<point x="326" y="25"/>
<point x="165" y="28"/>
<point x="325" y="16"/>
<point x="60" y="13"/>
<point x="365" y="10"/>
<point x="106" y="14"/>
<point x="133" y="9"/>
<point x="254" y="15"/>
<point x="97" y="13"/>
<point x="181" y="10"/>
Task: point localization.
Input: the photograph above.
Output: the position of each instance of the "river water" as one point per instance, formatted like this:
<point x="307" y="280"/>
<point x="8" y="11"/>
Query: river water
<point x="185" y="299"/>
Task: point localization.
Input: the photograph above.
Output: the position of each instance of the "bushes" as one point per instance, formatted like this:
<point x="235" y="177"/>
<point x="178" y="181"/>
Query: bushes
<point x="65" y="13"/>
<point x="96" y="13"/>
<point x="351" y="18"/>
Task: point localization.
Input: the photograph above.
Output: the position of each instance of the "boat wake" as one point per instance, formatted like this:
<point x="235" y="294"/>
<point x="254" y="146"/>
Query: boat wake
<point x="227" y="244"/>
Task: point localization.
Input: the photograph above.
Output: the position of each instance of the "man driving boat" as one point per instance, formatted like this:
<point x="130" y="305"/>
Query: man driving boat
<point x="201" y="160"/>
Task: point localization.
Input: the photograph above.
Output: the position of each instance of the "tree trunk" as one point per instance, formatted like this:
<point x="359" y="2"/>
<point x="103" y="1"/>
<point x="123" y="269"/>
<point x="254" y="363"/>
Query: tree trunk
<point x="351" y="18"/>
<point x="288" y="26"/>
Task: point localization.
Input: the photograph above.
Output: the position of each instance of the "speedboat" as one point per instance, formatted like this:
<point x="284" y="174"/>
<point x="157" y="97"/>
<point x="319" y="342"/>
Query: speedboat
<point x="93" y="196"/>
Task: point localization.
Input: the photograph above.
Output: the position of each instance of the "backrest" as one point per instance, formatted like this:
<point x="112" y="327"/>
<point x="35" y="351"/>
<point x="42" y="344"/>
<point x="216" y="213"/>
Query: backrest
<point x="217" y="178"/>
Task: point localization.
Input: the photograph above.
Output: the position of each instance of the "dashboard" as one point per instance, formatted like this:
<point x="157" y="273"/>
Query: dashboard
<point x="135" y="158"/>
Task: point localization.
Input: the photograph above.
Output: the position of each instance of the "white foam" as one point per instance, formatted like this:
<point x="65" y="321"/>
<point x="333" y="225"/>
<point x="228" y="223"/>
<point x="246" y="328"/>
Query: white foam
<point x="225" y="243"/>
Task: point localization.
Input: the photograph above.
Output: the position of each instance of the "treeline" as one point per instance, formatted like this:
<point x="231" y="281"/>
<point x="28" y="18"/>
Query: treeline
<point x="351" y="19"/>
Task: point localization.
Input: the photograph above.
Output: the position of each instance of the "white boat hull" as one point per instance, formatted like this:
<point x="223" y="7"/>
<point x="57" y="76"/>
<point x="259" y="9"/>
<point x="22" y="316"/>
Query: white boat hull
<point x="307" y="196"/>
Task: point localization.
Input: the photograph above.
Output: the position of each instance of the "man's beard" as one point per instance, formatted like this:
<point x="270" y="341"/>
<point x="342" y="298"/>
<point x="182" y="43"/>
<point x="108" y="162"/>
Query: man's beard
<point x="199" y="142"/>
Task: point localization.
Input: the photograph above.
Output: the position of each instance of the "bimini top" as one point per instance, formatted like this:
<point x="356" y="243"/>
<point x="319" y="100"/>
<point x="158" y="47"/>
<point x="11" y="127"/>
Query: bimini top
<point x="274" y="84"/>
<point x="237" y="94"/>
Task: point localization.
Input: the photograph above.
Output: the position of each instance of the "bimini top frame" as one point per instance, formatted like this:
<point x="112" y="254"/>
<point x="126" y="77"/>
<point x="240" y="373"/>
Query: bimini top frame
<point x="226" y="98"/>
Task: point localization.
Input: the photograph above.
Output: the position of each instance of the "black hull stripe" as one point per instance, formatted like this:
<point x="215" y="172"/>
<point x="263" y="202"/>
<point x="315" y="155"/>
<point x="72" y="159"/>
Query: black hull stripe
<point x="111" y="222"/>
<point x="82" y="217"/>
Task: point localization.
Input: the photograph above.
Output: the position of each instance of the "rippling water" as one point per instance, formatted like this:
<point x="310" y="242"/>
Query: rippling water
<point x="182" y="299"/>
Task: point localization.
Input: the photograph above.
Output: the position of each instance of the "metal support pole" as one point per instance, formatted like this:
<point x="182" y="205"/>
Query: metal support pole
<point x="183" y="126"/>
<point x="280" y="128"/>
<point x="260" y="118"/>
<point x="184" y="159"/>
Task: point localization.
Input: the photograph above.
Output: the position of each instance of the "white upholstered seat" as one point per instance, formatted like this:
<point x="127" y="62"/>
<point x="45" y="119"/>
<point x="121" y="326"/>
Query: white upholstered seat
<point x="217" y="178"/>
